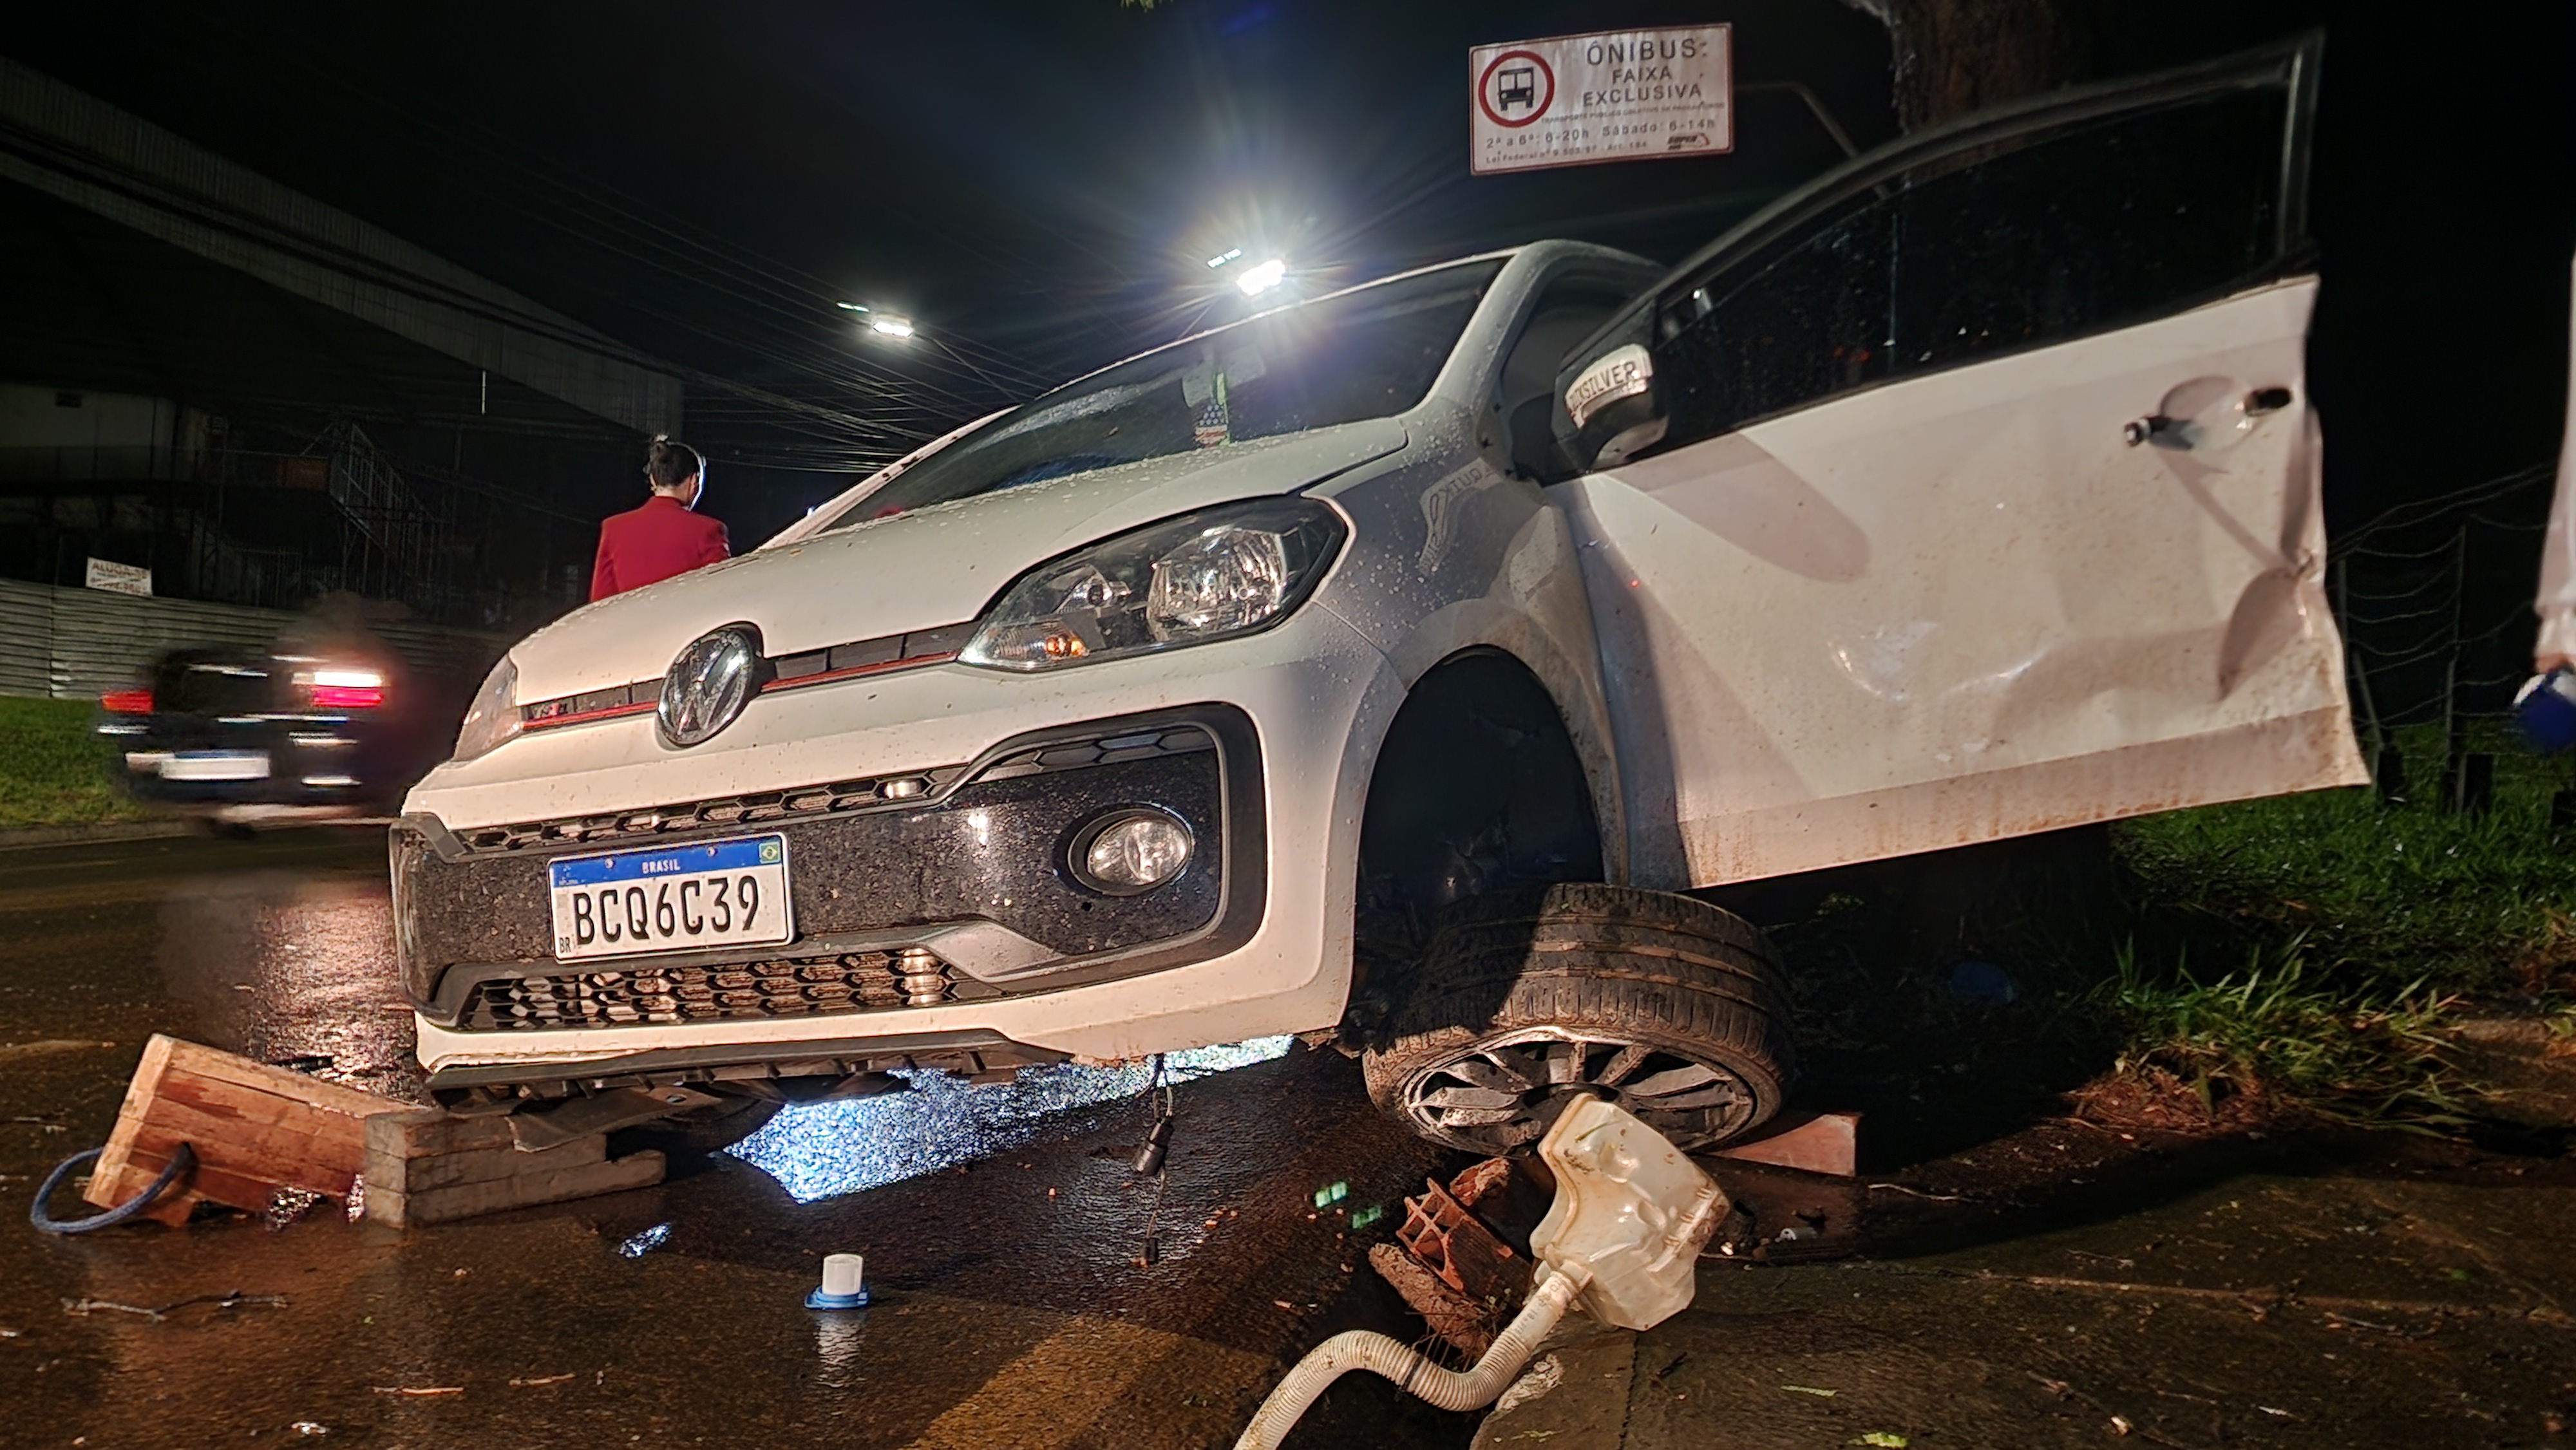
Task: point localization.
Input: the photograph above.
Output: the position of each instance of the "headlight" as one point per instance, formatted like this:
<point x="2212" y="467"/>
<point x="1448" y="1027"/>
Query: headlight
<point x="1210" y="575"/>
<point x="494" y="715"/>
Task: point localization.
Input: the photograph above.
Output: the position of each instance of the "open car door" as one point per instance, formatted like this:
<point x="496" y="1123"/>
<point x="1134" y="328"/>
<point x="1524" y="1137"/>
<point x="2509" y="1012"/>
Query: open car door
<point x="1972" y="490"/>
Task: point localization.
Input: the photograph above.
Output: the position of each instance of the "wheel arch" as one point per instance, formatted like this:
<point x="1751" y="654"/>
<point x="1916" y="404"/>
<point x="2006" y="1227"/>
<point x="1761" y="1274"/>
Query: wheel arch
<point x="1479" y="783"/>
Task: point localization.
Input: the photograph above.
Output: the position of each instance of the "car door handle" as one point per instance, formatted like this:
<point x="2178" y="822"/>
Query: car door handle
<point x="2153" y="428"/>
<point x="2211" y="425"/>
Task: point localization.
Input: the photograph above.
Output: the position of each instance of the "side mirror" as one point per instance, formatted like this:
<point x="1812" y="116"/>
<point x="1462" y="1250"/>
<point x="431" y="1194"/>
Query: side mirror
<point x="1613" y="409"/>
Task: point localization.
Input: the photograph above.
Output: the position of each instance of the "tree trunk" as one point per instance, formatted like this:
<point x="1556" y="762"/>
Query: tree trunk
<point x="1956" y="56"/>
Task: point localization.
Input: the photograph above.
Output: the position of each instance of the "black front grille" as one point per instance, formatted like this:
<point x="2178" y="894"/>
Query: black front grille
<point x="651" y="996"/>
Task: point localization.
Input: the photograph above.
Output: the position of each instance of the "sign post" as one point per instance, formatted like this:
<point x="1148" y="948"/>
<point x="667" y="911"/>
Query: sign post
<point x="1626" y="95"/>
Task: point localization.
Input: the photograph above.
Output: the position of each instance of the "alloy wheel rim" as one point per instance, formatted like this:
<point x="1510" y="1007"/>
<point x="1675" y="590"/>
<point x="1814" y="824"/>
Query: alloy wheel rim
<point x="1504" y="1093"/>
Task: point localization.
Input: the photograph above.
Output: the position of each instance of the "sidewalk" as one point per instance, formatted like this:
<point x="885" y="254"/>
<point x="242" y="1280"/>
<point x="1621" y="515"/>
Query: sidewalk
<point x="2346" y="1307"/>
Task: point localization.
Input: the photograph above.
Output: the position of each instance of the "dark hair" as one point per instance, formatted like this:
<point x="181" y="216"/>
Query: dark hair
<point x="671" y="463"/>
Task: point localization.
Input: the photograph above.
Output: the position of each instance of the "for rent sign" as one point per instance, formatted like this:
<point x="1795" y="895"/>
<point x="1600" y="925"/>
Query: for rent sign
<point x="1619" y="96"/>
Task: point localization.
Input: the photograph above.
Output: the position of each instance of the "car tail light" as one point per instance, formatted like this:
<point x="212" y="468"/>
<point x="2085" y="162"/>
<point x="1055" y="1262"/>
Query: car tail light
<point x="126" y="702"/>
<point x="348" y="697"/>
<point x="347" y="689"/>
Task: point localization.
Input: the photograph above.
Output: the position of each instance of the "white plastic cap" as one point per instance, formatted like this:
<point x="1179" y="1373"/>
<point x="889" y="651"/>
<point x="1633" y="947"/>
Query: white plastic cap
<point x="842" y="1274"/>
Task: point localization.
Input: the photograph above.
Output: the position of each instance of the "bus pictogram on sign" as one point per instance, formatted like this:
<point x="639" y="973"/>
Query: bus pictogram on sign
<point x="1516" y="89"/>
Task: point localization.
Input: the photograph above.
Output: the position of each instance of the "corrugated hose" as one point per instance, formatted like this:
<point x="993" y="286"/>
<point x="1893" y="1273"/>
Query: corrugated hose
<point x="1449" y="1389"/>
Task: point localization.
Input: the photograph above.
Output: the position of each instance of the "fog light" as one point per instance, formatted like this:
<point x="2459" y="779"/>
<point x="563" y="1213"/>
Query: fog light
<point x="1130" y="851"/>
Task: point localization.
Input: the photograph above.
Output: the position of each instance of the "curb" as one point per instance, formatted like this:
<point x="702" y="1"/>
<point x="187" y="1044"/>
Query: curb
<point x="78" y="835"/>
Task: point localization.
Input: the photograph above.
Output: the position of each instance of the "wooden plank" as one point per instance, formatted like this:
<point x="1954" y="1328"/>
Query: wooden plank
<point x="113" y="1165"/>
<point x="257" y="1129"/>
<point x="420" y="1175"/>
<point x="298" y="1132"/>
<point x="468" y="1200"/>
<point x="431" y="1133"/>
<point x="254" y="1129"/>
<point x="217" y="1066"/>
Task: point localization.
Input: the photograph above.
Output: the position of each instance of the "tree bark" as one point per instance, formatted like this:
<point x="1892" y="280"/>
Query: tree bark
<point x="1956" y="56"/>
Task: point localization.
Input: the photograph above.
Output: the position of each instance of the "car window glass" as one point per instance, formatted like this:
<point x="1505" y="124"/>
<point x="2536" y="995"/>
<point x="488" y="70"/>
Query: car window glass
<point x="1368" y="353"/>
<point x="1994" y="244"/>
<point x="2086" y="229"/>
<point x="1803" y="320"/>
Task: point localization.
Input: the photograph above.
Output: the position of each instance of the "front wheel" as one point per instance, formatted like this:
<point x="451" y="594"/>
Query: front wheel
<point x="1669" y="1007"/>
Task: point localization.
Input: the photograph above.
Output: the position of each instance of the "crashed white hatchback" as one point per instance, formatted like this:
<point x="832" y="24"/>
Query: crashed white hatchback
<point x="1387" y="663"/>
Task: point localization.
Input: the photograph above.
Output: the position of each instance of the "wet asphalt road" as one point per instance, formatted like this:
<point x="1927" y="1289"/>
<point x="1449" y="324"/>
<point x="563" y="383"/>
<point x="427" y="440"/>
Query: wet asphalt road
<point x="2056" y="1285"/>
<point x="1010" y="1308"/>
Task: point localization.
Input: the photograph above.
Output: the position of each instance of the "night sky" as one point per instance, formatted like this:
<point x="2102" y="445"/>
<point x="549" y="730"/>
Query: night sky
<point x="1037" y="183"/>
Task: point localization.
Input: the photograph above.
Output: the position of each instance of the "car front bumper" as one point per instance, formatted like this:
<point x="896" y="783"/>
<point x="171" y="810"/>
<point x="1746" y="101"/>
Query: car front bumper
<point x="1246" y="741"/>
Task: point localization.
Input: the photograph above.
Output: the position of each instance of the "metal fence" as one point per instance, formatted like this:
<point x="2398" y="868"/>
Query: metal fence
<point x="76" y="643"/>
<point x="2435" y="601"/>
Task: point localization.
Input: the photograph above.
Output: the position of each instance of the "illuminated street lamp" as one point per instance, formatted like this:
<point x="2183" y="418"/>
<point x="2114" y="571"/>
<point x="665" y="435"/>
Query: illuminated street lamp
<point x="883" y="324"/>
<point x="1259" y="279"/>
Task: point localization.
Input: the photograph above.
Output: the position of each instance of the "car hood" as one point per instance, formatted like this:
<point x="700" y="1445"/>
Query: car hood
<point x="920" y="570"/>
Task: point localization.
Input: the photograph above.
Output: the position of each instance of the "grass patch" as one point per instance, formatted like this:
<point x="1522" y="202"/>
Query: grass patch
<point x="2275" y="1035"/>
<point x="2365" y="928"/>
<point x="2207" y="968"/>
<point x="53" y="772"/>
<point x="2381" y="895"/>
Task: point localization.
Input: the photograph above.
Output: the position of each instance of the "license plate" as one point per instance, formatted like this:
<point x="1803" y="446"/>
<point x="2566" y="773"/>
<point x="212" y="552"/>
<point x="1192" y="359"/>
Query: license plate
<point x="671" y="898"/>
<point x="216" y="765"/>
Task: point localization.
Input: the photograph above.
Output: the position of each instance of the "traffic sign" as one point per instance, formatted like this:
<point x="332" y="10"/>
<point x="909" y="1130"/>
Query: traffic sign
<point x="1625" y="95"/>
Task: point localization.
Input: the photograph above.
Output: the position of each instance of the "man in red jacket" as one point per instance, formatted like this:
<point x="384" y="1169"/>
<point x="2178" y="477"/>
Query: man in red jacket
<point x="650" y="544"/>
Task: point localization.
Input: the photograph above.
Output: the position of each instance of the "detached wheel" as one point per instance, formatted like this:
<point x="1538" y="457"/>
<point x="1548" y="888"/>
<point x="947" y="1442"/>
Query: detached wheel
<point x="698" y="1133"/>
<point x="1667" y="1006"/>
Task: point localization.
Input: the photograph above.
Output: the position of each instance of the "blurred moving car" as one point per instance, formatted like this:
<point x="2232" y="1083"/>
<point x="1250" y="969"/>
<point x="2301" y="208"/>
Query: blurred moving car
<point x="322" y="725"/>
<point x="1390" y="665"/>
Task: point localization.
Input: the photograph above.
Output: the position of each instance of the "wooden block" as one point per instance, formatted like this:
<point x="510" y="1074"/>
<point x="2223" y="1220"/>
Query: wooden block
<point x="431" y="1132"/>
<point x="1810" y="1142"/>
<point x="254" y="1128"/>
<point x="524" y="1190"/>
<point x="477" y="1165"/>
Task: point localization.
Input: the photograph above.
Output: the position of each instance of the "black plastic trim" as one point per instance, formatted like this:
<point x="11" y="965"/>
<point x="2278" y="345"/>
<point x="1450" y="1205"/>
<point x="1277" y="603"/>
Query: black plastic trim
<point x="680" y="1064"/>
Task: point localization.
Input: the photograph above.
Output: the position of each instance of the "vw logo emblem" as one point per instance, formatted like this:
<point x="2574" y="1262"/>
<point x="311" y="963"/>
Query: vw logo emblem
<point x="707" y="686"/>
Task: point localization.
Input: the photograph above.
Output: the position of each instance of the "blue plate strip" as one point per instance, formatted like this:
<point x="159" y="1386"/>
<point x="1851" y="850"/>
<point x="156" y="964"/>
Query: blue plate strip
<point x="661" y="861"/>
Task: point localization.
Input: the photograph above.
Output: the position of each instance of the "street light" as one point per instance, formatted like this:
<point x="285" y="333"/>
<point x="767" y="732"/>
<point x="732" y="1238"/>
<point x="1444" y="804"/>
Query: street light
<point x="883" y="324"/>
<point x="1260" y="279"/>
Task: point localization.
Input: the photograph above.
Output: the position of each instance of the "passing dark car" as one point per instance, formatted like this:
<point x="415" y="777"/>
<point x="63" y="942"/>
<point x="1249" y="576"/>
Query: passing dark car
<point x="242" y="738"/>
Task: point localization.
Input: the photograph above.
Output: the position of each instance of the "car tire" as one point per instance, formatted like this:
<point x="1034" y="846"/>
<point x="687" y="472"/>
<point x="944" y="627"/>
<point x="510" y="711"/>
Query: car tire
<point x="1525" y="1001"/>
<point x="699" y="1133"/>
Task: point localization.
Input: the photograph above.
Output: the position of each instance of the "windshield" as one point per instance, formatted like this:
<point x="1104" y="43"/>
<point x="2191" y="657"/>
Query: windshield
<point x="1368" y="353"/>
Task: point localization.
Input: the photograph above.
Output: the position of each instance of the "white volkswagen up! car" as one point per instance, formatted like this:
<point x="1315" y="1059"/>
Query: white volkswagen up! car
<point x="1386" y="665"/>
